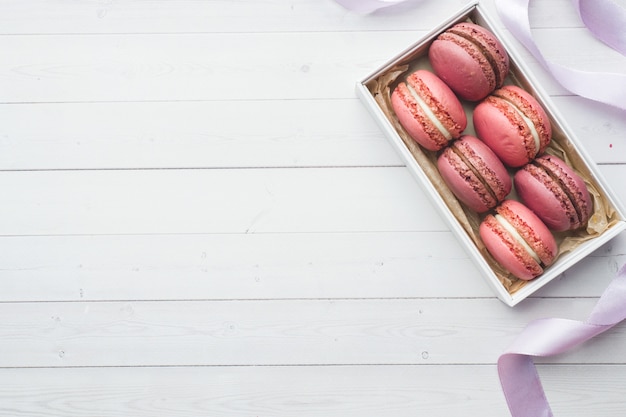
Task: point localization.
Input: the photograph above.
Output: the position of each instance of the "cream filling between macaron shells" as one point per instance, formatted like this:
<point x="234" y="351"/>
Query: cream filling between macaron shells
<point x="529" y="123"/>
<point x="515" y="234"/>
<point x="429" y="113"/>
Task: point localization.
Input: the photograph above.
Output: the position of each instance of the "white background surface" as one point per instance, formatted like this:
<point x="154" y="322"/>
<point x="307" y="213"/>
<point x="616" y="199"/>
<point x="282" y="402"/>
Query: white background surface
<point x="200" y="218"/>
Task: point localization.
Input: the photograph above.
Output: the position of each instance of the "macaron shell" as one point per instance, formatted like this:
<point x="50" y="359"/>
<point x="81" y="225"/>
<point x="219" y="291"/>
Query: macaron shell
<point x="474" y="173"/>
<point x="441" y="100"/>
<point x="414" y="121"/>
<point x="470" y="59"/>
<point x="507" y="251"/>
<point x="575" y="185"/>
<point x="464" y="183"/>
<point x="499" y="127"/>
<point x="442" y="103"/>
<point x="495" y="51"/>
<point x="528" y="105"/>
<point x="464" y="73"/>
<point x="556" y="193"/>
<point x="531" y="228"/>
<point x="504" y="130"/>
<point x="555" y="210"/>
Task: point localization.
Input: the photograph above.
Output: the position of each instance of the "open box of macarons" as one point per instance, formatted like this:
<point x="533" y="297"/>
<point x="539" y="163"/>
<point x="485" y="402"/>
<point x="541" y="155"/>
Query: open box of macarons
<point x="494" y="155"/>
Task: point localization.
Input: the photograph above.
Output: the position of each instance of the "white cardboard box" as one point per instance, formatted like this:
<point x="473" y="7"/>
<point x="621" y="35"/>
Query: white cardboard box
<point x="416" y="55"/>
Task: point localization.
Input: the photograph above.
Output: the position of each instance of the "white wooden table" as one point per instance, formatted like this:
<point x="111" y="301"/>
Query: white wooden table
<point x="199" y="218"/>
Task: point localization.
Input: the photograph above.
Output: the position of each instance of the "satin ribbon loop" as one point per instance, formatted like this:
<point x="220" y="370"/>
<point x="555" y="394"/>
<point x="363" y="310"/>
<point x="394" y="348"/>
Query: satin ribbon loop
<point x="547" y="337"/>
<point x="609" y="88"/>
<point x="367" y="6"/>
<point x="606" y="20"/>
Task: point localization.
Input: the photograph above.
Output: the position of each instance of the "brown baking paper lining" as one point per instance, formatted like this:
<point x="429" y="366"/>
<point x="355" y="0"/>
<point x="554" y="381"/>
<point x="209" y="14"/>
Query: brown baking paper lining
<point x="604" y="215"/>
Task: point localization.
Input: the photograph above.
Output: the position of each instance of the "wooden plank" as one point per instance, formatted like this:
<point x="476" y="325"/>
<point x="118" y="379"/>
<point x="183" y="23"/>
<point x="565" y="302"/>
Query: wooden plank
<point x="345" y="391"/>
<point x="218" y="66"/>
<point x="221" y="201"/>
<point x="600" y="128"/>
<point x="208" y="66"/>
<point x="190" y="16"/>
<point x="570" y="387"/>
<point x="40" y="16"/>
<point x="263" y="133"/>
<point x="259" y="391"/>
<point x="296" y="133"/>
<point x="214" y="201"/>
<point x="236" y="266"/>
<point x="264" y="266"/>
<point x="283" y="332"/>
<point x="304" y="391"/>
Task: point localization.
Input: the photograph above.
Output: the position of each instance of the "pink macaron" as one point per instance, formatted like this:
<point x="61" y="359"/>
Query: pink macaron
<point x="470" y="59"/>
<point x="555" y="192"/>
<point x="513" y="124"/>
<point x="474" y="173"/>
<point x="518" y="240"/>
<point x="428" y="110"/>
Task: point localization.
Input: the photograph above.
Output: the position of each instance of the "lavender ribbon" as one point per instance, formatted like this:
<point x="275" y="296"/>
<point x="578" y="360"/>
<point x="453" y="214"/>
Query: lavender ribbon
<point x="607" y="21"/>
<point x="604" y="18"/>
<point x="367" y="6"/>
<point x="546" y="337"/>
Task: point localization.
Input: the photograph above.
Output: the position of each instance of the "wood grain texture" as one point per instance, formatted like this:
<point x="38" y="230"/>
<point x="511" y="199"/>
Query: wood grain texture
<point x="200" y="218"/>
<point x="250" y="391"/>
<point x="221" y="201"/>
<point x="294" y="133"/>
<point x="175" y="67"/>
<point x="369" y="265"/>
<point x="188" y="16"/>
<point x="282" y="332"/>
<point x="214" y="201"/>
<point x="212" y="134"/>
<point x="285" y="391"/>
<point x="163" y="16"/>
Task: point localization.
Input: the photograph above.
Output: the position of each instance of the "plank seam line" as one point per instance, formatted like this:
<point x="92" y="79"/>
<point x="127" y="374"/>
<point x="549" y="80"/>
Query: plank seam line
<point x="308" y="365"/>
<point x="279" y="99"/>
<point x="262" y="32"/>
<point x="196" y="168"/>
<point x="244" y="300"/>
